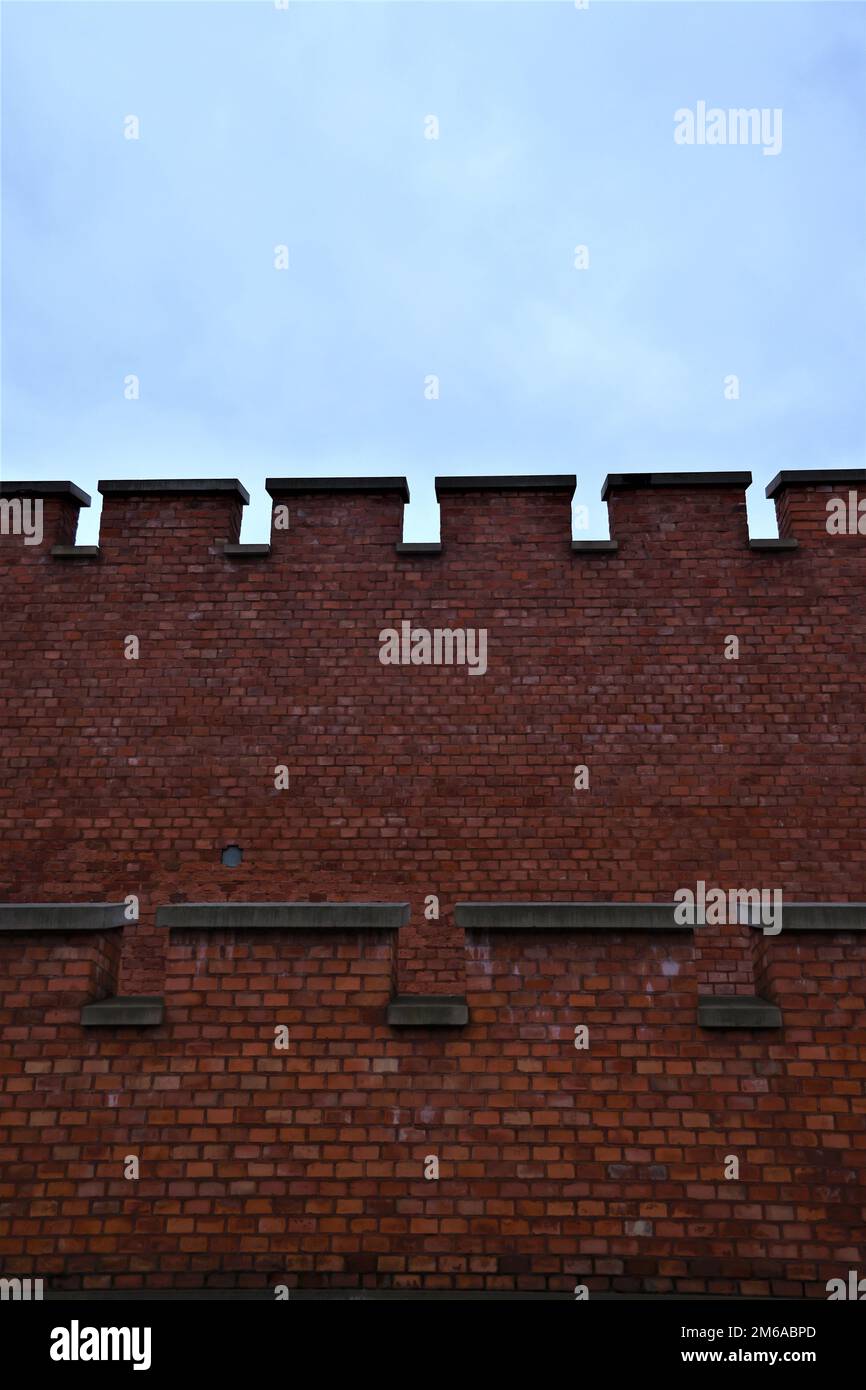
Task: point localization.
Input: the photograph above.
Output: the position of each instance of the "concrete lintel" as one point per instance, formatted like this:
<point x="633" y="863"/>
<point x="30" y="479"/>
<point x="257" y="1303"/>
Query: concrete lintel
<point x="568" y="917"/>
<point x="428" y="1011"/>
<point x="35" y="917"/>
<point x="283" y="916"/>
<point x="125" y="1011"/>
<point x="737" y="1011"/>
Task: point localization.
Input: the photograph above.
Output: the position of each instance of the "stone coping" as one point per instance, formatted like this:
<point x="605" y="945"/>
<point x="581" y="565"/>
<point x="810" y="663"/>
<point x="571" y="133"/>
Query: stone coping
<point x="636" y="480"/>
<point x="499" y="482"/>
<point x="134" y="487"/>
<point x="279" y="487"/>
<point x="66" y="490"/>
<point x="772" y="543"/>
<point x="814" y="477"/>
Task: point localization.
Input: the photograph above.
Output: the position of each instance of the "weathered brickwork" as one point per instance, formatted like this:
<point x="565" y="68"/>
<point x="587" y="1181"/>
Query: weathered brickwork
<point x="559" y="1164"/>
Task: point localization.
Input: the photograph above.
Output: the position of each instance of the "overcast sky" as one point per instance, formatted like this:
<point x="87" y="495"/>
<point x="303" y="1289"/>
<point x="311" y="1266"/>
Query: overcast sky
<point x="410" y="256"/>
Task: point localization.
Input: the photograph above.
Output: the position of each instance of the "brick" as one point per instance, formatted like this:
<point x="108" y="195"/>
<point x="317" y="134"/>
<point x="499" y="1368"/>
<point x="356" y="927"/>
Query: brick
<point x="306" y="1165"/>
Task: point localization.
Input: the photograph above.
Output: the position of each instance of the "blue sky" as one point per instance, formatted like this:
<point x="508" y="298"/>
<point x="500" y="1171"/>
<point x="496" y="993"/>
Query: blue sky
<point x="410" y="257"/>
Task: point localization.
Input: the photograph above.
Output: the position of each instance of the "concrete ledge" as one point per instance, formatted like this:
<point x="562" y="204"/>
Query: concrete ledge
<point x="428" y="1011"/>
<point x="125" y="1011"/>
<point x="61" y="916"/>
<point x="283" y="916"/>
<point x="594" y="547"/>
<point x="814" y="477"/>
<point x="279" y="487"/>
<point x="67" y="491"/>
<point x="75" y="552"/>
<point x="820" y="917"/>
<point x="419" y="547"/>
<point x="770" y="543"/>
<point x="525" y="482"/>
<point x="737" y="1011"/>
<point x="135" y="487"/>
<point x="634" y="480"/>
<point x="568" y="917"/>
<point x="240" y="552"/>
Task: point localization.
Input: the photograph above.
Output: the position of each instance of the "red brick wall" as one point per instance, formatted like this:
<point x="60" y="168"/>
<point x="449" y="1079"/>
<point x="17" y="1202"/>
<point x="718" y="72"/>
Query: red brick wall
<point x="128" y="777"/>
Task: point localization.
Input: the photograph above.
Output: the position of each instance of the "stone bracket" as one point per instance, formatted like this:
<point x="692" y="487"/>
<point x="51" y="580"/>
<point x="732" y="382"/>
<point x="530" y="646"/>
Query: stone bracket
<point x="428" y="1011"/>
<point x="737" y="1011"/>
<point x="125" y="1011"/>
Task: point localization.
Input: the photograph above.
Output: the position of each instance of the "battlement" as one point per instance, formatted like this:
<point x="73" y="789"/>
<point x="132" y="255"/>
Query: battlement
<point x="670" y="645"/>
<point x="684" y="512"/>
<point x="323" y="856"/>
